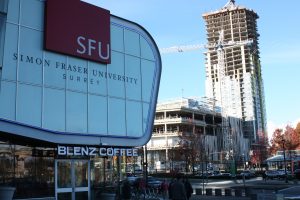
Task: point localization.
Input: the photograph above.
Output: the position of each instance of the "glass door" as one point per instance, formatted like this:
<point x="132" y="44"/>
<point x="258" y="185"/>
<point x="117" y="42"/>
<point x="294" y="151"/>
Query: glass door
<point x="72" y="179"/>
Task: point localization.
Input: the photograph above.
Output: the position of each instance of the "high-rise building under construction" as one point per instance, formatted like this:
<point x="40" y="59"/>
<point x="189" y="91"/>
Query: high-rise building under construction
<point x="233" y="71"/>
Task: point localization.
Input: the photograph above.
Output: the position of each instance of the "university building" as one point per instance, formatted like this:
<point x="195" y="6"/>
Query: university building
<point x="78" y="90"/>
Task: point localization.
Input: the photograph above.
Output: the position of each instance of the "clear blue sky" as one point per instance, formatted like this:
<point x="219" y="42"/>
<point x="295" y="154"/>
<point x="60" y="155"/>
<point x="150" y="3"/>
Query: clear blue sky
<point x="177" y="22"/>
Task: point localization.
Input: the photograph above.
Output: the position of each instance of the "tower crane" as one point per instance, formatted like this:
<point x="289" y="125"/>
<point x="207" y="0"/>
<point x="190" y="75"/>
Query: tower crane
<point x="220" y="47"/>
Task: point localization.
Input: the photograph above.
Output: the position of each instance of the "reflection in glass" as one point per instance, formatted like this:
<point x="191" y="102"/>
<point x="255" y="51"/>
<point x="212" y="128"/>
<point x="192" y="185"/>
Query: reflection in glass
<point x="81" y="173"/>
<point x="64" y="174"/>
<point x="64" y="196"/>
<point x="81" y="195"/>
<point x="116" y="117"/>
<point x="148" y="69"/>
<point x="2" y="31"/>
<point x="134" y="121"/>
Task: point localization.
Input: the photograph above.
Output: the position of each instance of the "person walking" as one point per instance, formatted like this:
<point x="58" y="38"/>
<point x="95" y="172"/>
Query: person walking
<point x="164" y="189"/>
<point x="126" y="191"/>
<point x="188" y="188"/>
<point x="178" y="190"/>
<point x="170" y="188"/>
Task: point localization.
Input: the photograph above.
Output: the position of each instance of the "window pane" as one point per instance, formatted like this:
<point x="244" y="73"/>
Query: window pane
<point x="64" y="196"/>
<point x="81" y="173"/>
<point x="116" y="117"/>
<point x="134" y="121"/>
<point x="64" y="174"/>
<point x="29" y="104"/>
<point x="76" y="112"/>
<point x="2" y="32"/>
<point x="133" y="72"/>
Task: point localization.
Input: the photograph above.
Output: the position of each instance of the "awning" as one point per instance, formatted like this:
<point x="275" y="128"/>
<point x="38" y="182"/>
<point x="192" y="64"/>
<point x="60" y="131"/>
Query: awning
<point x="279" y="158"/>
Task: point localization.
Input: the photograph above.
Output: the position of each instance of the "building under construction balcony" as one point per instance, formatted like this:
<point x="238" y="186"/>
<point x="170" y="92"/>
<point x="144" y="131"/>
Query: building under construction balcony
<point x="233" y="70"/>
<point x="191" y="121"/>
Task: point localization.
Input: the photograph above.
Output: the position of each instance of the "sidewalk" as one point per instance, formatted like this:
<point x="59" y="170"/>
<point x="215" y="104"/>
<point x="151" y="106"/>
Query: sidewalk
<point x="200" y="197"/>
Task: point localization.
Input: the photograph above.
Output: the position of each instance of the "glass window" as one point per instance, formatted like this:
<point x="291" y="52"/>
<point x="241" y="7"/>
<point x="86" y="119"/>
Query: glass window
<point x="133" y="72"/>
<point x="117" y="43"/>
<point x="148" y="68"/>
<point x="54" y="113"/>
<point x="11" y="49"/>
<point x="13" y="11"/>
<point x="76" y="112"/>
<point x="97" y="114"/>
<point x="115" y="75"/>
<point x="145" y="116"/>
<point x="97" y="81"/>
<point x="25" y="167"/>
<point x="55" y="70"/>
<point x="7" y="100"/>
<point x="134" y="119"/>
<point x="32" y="14"/>
<point x="75" y="74"/>
<point x="2" y="33"/>
<point x="146" y="51"/>
<point x="116" y="117"/>
<point x="132" y="43"/>
<point x="3" y="6"/>
<point x="31" y="56"/>
<point x="29" y="104"/>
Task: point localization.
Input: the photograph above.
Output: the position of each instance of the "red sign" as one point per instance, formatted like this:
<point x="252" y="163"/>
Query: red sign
<point x="78" y="29"/>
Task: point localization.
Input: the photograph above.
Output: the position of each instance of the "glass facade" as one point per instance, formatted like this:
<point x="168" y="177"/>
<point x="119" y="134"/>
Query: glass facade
<point x="25" y="168"/>
<point x="71" y="96"/>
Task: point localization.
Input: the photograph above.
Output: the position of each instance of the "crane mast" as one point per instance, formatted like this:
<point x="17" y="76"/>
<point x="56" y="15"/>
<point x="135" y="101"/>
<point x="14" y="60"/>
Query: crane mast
<point x="220" y="48"/>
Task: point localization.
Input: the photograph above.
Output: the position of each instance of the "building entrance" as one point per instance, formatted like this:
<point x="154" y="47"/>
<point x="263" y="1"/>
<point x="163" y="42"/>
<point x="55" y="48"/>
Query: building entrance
<point x="72" y="180"/>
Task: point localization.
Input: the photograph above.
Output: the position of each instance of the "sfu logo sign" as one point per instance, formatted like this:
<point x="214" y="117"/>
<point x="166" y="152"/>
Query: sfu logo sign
<point x="78" y="29"/>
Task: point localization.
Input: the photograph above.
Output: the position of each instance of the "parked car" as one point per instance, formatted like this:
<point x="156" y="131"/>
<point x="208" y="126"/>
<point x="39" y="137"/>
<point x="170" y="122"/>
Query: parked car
<point x="247" y="174"/>
<point x="271" y="174"/>
<point x="153" y="182"/>
<point x="226" y="175"/>
<point x="297" y="173"/>
<point x="132" y="180"/>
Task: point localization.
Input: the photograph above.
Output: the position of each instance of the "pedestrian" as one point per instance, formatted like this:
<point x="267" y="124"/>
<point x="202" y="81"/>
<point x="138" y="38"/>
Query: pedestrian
<point x="178" y="190"/>
<point x="264" y="175"/>
<point x="188" y="188"/>
<point x="126" y="191"/>
<point x="164" y="189"/>
<point x="170" y="188"/>
<point x="142" y="187"/>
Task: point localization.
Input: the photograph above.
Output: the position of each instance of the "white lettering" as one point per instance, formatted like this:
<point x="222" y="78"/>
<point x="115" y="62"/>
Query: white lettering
<point x="81" y="45"/>
<point x="128" y="152"/>
<point x="91" y="46"/>
<point x="100" y="51"/>
<point x="84" y="151"/>
<point x="69" y="151"/>
<point x="110" y="152"/>
<point x="102" y="152"/>
<point x="62" y="150"/>
<point x="77" y="151"/>
<point x="92" y="151"/>
<point x="134" y="152"/>
<point x="116" y="151"/>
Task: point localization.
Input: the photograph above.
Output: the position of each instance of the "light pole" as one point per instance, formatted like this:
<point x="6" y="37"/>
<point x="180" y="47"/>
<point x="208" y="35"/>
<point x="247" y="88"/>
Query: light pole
<point x="284" y="160"/>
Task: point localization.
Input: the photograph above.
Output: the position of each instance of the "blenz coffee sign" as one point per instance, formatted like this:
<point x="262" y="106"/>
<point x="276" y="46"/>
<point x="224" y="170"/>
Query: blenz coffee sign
<point x="96" y="151"/>
<point x="78" y="29"/>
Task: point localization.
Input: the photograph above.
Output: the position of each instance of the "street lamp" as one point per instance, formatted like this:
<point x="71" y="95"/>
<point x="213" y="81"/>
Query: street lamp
<point x="284" y="160"/>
